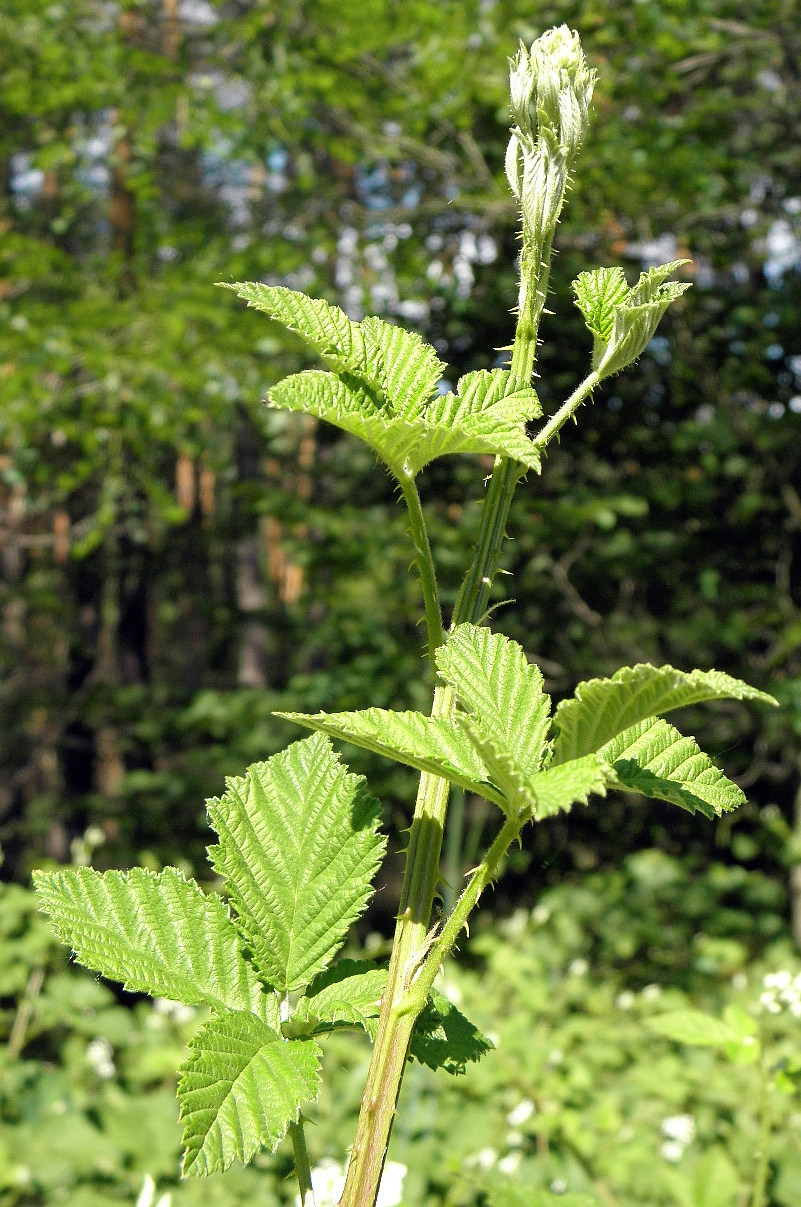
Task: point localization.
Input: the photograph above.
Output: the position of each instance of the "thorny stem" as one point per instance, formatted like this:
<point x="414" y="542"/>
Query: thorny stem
<point x="566" y="410"/>
<point x="425" y="563"/>
<point x="413" y="939"/>
<point x="765" y="1125"/>
<point x="302" y="1169"/>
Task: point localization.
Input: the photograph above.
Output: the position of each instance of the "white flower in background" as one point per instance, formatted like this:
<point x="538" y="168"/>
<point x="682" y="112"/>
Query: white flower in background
<point x="578" y="967"/>
<point x="680" y="1128"/>
<point x="739" y="981"/>
<point x="484" y="1159"/>
<point x="520" y="1113"/>
<point x="176" y="1011"/>
<point x="514" y="1139"/>
<point x="625" y="1000"/>
<point x="100" y="1055"/>
<point x="510" y="1163"/>
<point x="390" y="1192"/>
<point x="540" y="914"/>
<point x="781" y="990"/>
<point x="148" y="1193"/>
<point x="651" y="993"/>
<point x="328" y="1180"/>
<point x="558" y="1186"/>
<point x="671" y="1150"/>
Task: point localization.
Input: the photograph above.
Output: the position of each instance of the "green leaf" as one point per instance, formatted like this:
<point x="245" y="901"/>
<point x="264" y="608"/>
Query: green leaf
<point x="597" y="293"/>
<point x="407" y="443"/>
<point x="654" y="759"/>
<point x="409" y="368"/>
<point x="337" y="340"/>
<point x="623" y="320"/>
<point x="444" y="1039"/>
<point x="601" y="708"/>
<point x="493" y="680"/>
<point x="240" y="1089"/>
<point x="155" y="933"/>
<point x="554" y="790"/>
<point x="434" y="744"/>
<point x="693" y="1027"/>
<point x="348" y="993"/>
<point x="298" y="847"/>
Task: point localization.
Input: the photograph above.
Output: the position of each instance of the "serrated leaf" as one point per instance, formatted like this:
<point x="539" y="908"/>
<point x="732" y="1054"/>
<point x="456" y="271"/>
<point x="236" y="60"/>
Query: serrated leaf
<point x="435" y="744"/>
<point x="349" y="993"/>
<point x="623" y="320"/>
<point x="240" y="1089"/>
<point x="407" y="444"/>
<point x="336" y="339"/>
<point x="298" y="848"/>
<point x="409" y="368"/>
<point x="597" y="292"/>
<point x="601" y="708"/>
<point x="156" y="933"/>
<point x="654" y="759"/>
<point x="554" y="790"/>
<point x="494" y="681"/>
<point x="444" y="1039"/>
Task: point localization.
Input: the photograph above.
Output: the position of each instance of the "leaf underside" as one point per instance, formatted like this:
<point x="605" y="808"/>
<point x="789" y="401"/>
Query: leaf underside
<point x="240" y="1089"/>
<point x="654" y="759"/>
<point x="155" y="933"/>
<point x="298" y="847"/>
<point x="602" y="708"/>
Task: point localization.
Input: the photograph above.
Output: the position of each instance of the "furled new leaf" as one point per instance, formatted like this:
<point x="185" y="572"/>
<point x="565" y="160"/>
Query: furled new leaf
<point x="155" y="933"/>
<point x="435" y="744"/>
<point x="601" y="708"/>
<point x="623" y="320"/>
<point x="348" y="993"/>
<point x="494" y="681"/>
<point x="444" y="1039"/>
<point x="654" y="759"/>
<point x="298" y="847"/>
<point x="241" y="1087"/>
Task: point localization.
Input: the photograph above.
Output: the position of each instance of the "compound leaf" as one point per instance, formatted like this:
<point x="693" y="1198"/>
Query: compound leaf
<point x="434" y="744"/>
<point x="493" y="681"/>
<point x="444" y="1039"/>
<point x="156" y="933"/>
<point x="348" y="993"/>
<point x="601" y="708"/>
<point x="298" y="848"/>
<point x="241" y="1087"/>
<point x="654" y="759"/>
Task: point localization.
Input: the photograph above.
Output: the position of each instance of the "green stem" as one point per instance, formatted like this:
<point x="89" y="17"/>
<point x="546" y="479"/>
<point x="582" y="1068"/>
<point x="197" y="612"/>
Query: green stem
<point x="483" y="875"/>
<point x="399" y="1008"/>
<point x="765" y="1124"/>
<point x="425" y="564"/>
<point x="566" y="410"/>
<point x="302" y="1169"/>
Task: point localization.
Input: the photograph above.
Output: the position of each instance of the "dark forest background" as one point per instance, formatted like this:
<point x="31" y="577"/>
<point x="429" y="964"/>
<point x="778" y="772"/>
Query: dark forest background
<point x="178" y="561"/>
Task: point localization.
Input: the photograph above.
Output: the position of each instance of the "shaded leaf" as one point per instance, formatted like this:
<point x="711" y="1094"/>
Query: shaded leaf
<point x="349" y="992"/>
<point x="444" y="1039"/>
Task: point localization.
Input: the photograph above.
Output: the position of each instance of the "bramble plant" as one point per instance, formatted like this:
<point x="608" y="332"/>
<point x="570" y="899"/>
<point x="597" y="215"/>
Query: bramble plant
<point x="298" y="839"/>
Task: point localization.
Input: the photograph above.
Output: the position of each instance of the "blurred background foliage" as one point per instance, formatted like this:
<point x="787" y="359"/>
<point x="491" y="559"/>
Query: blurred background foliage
<point x="177" y="561"/>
